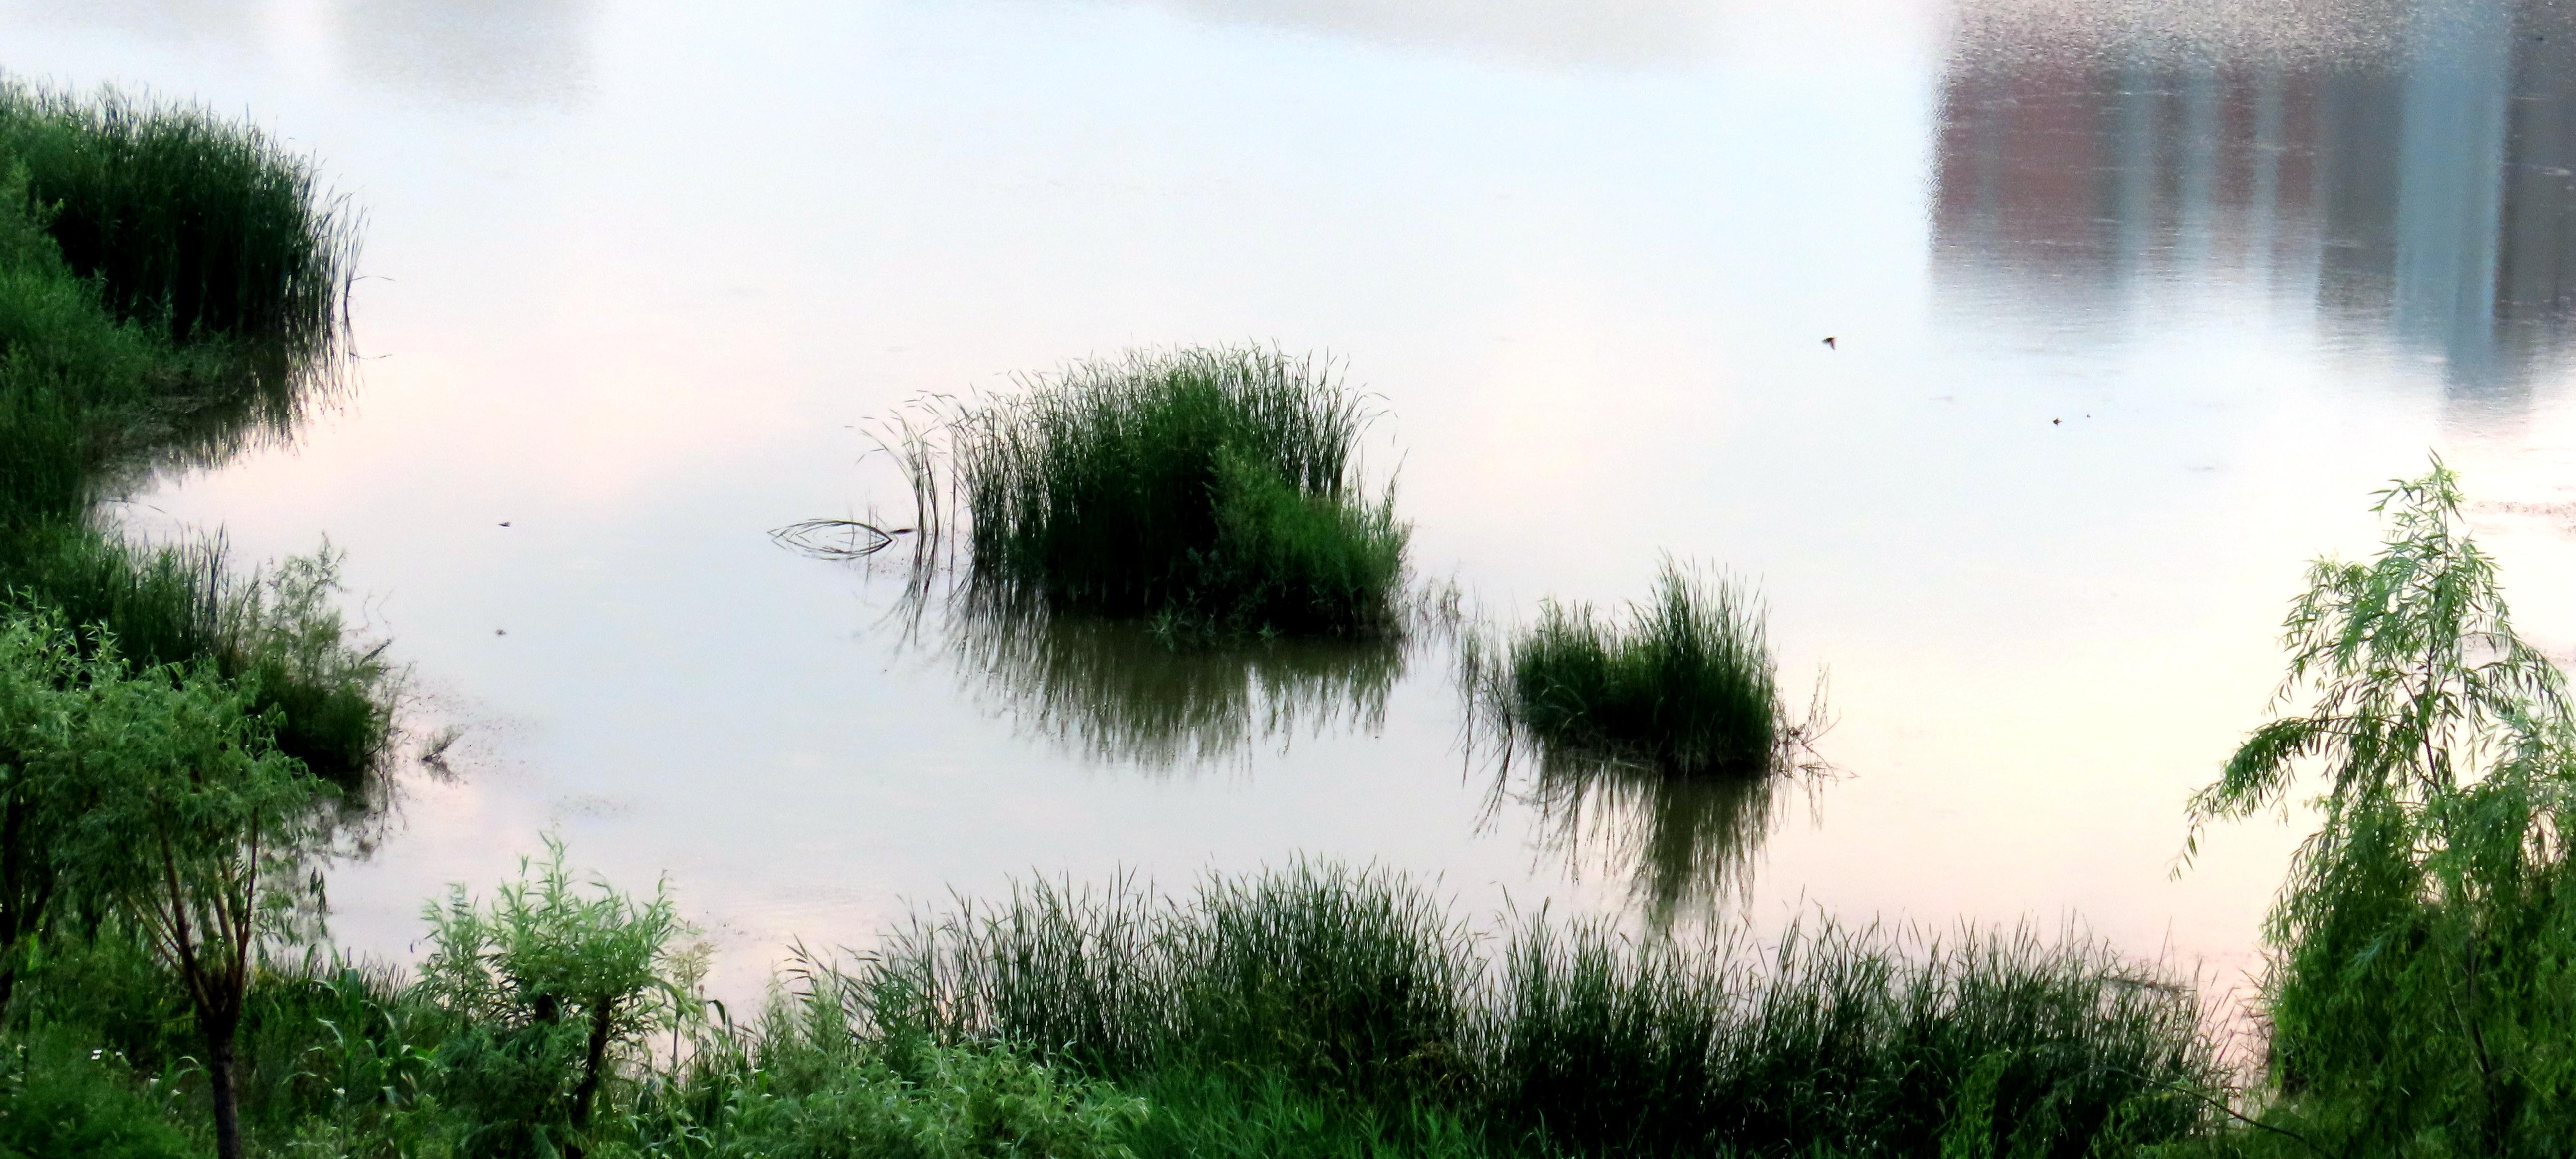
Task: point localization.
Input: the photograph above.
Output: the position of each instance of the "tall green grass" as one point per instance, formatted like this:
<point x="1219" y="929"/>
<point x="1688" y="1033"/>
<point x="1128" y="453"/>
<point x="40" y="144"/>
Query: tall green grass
<point x="1683" y="683"/>
<point x="1360" y="987"/>
<point x="1217" y="490"/>
<point x="1119" y="690"/>
<point x="190" y="222"/>
<point x="275" y="627"/>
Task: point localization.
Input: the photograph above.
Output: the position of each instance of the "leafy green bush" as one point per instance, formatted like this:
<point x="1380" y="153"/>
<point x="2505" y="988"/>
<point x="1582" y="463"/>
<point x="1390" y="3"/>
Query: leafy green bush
<point x="950" y="1102"/>
<point x="60" y="1098"/>
<point x="553" y="984"/>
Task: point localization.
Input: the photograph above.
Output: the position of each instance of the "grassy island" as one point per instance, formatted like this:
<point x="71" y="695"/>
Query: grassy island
<point x="1682" y="684"/>
<point x="1213" y="490"/>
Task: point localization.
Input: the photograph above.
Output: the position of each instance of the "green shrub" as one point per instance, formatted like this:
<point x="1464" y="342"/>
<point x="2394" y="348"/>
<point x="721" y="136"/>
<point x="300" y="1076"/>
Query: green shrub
<point x="950" y="1103"/>
<point x="61" y="1098"/>
<point x="275" y="630"/>
<point x="1218" y="490"/>
<point x="554" y="986"/>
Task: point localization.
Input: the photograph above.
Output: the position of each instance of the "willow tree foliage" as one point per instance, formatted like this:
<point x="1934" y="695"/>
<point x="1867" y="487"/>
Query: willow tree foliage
<point x="553" y="982"/>
<point x="197" y="833"/>
<point x="2425" y="955"/>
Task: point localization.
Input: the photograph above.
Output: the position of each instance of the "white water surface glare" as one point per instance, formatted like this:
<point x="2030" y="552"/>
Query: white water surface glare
<point x="2133" y="306"/>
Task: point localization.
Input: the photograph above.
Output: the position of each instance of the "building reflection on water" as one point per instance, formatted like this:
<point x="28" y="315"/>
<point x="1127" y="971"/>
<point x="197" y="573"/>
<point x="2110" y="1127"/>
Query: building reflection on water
<point x="2420" y="195"/>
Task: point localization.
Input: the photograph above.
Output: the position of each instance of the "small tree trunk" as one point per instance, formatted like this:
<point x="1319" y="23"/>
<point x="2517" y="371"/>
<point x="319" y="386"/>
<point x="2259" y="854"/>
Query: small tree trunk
<point x="219" y="1084"/>
<point x="594" y="1062"/>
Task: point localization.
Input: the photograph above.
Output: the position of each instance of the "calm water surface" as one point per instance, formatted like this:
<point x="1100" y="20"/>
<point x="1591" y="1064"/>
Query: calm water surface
<point x="2134" y="305"/>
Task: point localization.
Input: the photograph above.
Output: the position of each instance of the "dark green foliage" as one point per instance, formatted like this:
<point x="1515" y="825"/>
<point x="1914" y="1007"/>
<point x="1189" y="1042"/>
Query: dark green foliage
<point x="89" y="397"/>
<point x="60" y="1097"/>
<point x="1218" y="490"/>
<point x="80" y="390"/>
<point x="849" y="1099"/>
<point x="2422" y="994"/>
<point x="1213" y="1113"/>
<point x="1357" y="989"/>
<point x="275" y="630"/>
<point x="1685" y="684"/>
<point x="195" y="832"/>
<point x="189" y="222"/>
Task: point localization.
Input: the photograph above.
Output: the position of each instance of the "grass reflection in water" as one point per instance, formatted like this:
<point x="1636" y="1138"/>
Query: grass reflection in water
<point x="1117" y="690"/>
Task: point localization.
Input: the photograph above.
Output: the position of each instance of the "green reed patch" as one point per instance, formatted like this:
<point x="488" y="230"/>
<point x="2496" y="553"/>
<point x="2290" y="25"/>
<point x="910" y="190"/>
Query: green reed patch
<point x="1217" y="490"/>
<point x="1360" y="987"/>
<point x="1683" y="683"/>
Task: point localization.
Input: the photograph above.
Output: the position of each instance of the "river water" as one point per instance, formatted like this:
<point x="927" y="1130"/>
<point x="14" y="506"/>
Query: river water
<point x="2133" y="306"/>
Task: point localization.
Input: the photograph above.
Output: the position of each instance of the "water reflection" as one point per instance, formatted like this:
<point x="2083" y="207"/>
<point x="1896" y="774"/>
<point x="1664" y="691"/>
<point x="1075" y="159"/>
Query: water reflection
<point x="1563" y="33"/>
<point x="2407" y="175"/>
<point x="507" y="52"/>
<point x="1685" y="844"/>
<point x="1115" y="690"/>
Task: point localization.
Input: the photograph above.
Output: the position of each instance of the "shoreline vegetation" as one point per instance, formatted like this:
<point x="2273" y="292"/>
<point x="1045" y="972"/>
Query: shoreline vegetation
<point x="174" y="737"/>
<point x="171" y="291"/>
<point x="1320" y="1008"/>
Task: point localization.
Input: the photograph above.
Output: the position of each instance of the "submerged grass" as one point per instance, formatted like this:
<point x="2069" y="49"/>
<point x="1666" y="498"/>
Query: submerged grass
<point x="1359" y="988"/>
<point x="1684" y="683"/>
<point x="1215" y="490"/>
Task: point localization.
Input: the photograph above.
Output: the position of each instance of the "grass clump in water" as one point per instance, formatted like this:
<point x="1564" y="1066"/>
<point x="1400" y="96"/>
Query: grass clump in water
<point x="1213" y="490"/>
<point x="1684" y="684"/>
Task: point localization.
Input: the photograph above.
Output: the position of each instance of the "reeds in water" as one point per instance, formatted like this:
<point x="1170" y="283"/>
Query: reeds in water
<point x="171" y="286"/>
<point x="1216" y="490"/>
<point x="1684" y="683"/>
